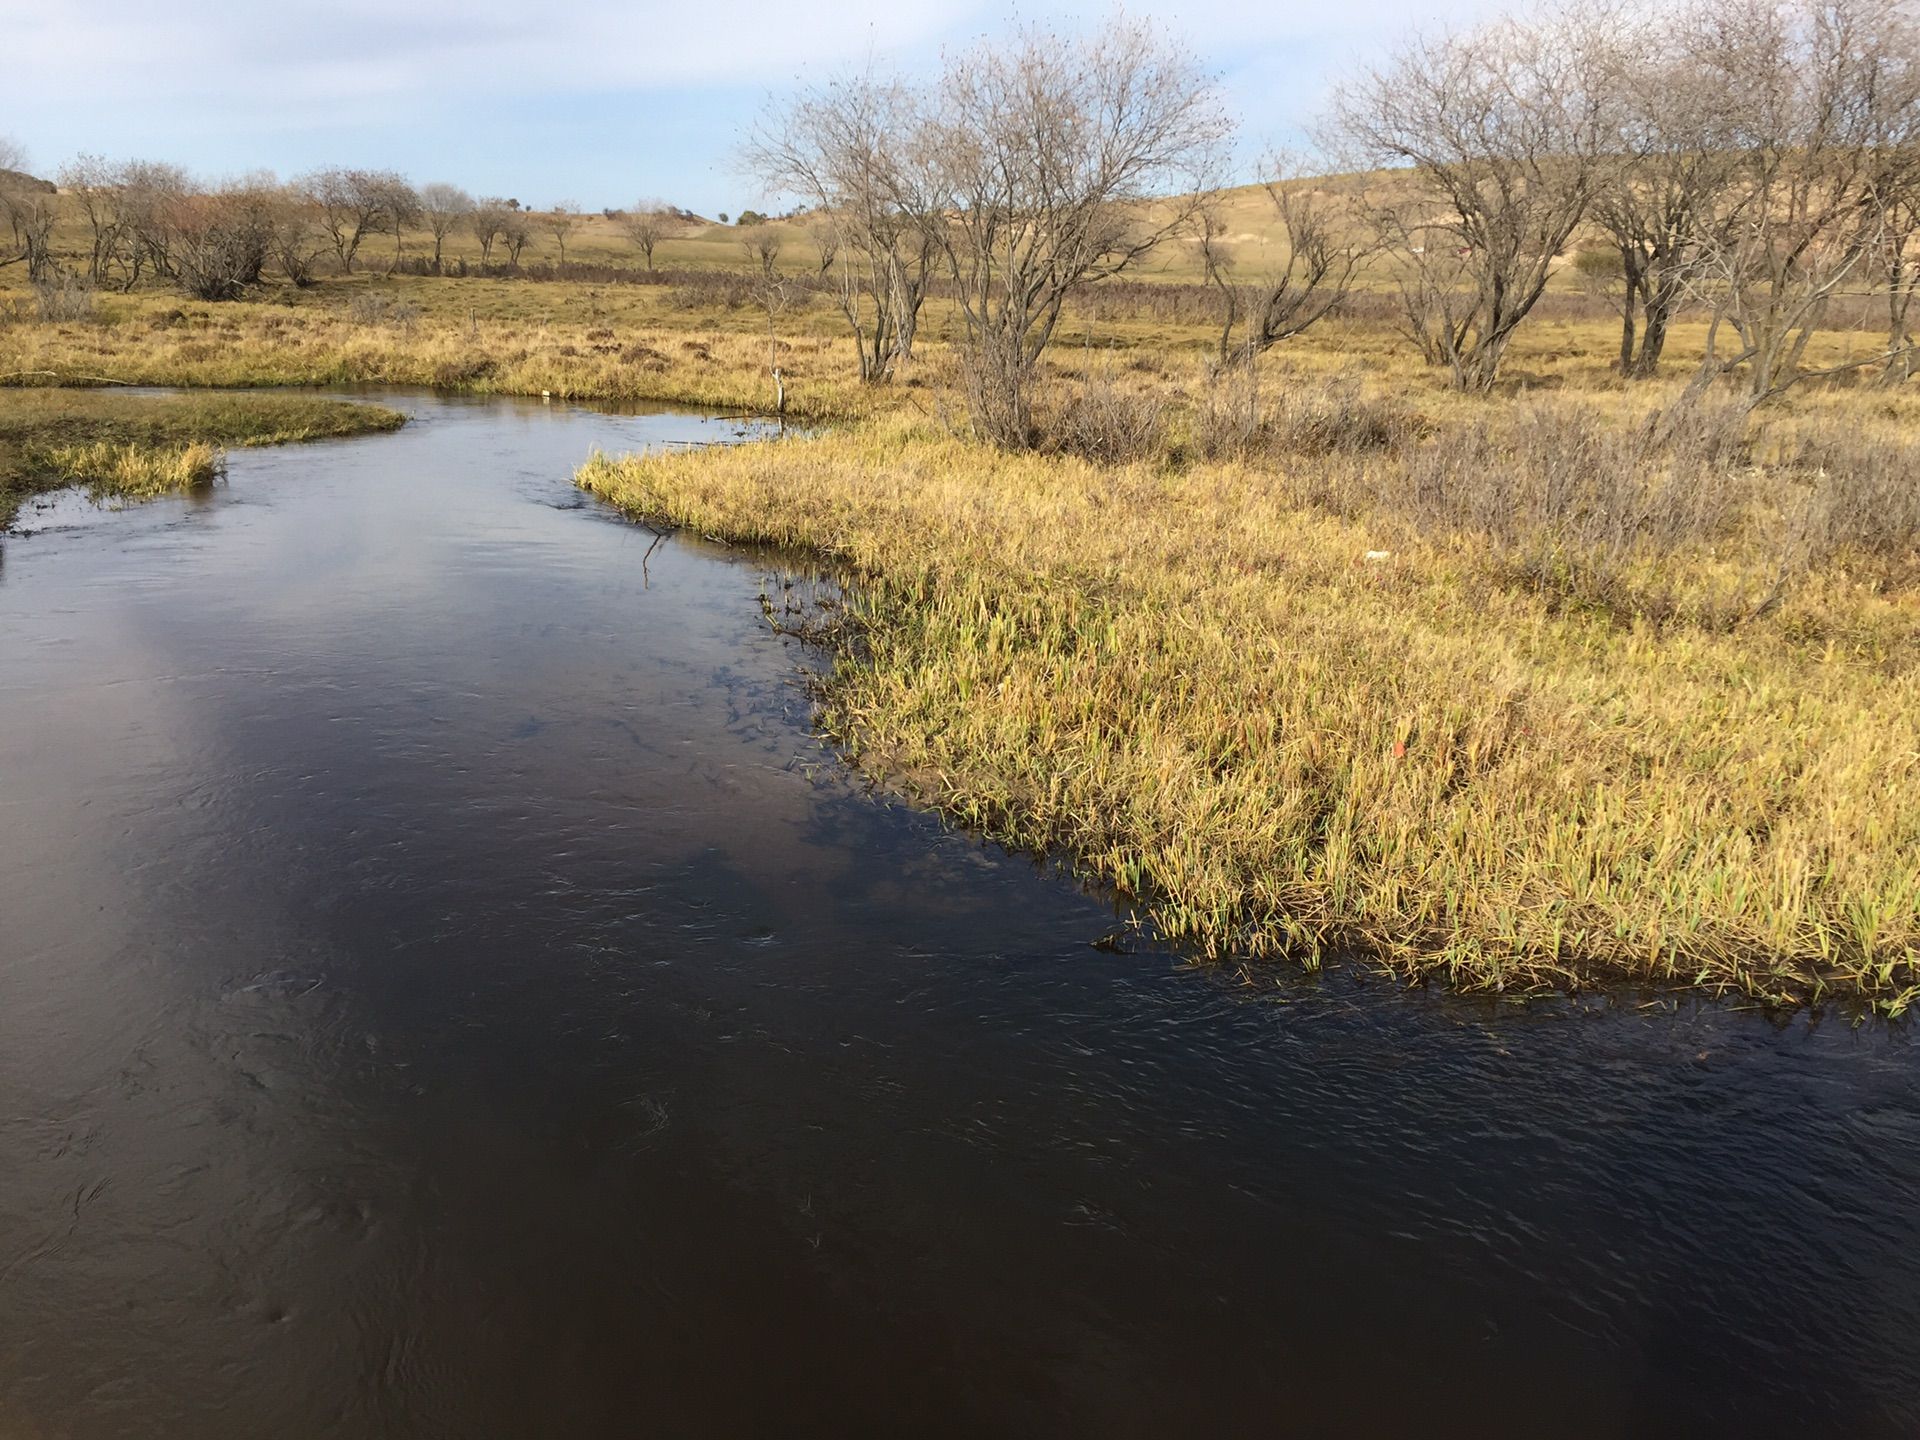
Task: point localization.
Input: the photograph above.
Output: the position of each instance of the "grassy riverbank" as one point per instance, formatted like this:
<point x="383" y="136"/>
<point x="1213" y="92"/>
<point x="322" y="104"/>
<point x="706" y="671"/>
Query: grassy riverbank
<point x="1565" y="681"/>
<point x="144" y="445"/>
<point x="1286" y="714"/>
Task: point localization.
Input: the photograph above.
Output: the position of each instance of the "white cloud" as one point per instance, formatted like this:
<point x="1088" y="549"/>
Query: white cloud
<point x="500" y="93"/>
<point x="229" y="52"/>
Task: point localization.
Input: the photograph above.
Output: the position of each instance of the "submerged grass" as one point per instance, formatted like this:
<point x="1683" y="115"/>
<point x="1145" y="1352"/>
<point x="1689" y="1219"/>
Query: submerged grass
<point x="1214" y="692"/>
<point x="139" y="446"/>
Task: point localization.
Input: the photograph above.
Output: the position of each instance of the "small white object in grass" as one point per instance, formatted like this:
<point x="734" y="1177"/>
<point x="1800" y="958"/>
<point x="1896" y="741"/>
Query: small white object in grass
<point x="1374" y="557"/>
<point x="546" y="394"/>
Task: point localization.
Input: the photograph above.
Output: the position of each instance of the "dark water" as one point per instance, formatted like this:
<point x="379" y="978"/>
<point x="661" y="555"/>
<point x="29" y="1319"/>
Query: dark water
<point x="445" y="991"/>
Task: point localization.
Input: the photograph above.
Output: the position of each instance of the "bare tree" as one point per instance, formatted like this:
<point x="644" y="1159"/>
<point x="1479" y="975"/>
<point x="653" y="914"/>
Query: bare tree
<point x="1044" y="153"/>
<point x="826" y="242"/>
<point x="1665" y="205"/>
<point x="647" y="224"/>
<point x="298" y="239"/>
<point x="443" y="207"/>
<point x="562" y="221"/>
<point x="354" y="204"/>
<point x="515" y="233"/>
<point x="1892" y="37"/>
<point x="149" y="190"/>
<point x="223" y="238"/>
<point x="762" y="244"/>
<point x="1507" y="130"/>
<point x="1899" y="207"/>
<point x="488" y="222"/>
<point x="93" y="187"/>
<point x="845" y="148"/>
<point x="1829" y="98"/>
<point x="31" y="208"/>
<point x="1284" y="298"/>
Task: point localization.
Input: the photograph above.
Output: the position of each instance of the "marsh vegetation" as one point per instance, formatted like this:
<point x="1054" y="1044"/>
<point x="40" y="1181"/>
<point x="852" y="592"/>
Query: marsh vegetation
<point x="138" y="446"/>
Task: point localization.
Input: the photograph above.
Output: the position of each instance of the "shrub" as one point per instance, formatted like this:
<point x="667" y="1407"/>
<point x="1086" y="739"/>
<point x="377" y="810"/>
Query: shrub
<point x="376" y="307"/>
<point x="1239" y="418"/>
<point x="1863" y="499"/>
<point x="221" y="242"/>
<point x="1099" y="421"/>
<point x="63" y="299"/>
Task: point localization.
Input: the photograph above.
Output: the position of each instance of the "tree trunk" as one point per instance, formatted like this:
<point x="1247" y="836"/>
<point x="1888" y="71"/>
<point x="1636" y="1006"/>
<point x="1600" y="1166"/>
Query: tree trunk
<point x="1653" y="340"/>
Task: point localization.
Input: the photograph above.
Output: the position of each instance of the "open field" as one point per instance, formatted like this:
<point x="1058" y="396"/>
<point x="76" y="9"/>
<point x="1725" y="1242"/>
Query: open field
<point x="142" y="445"/>
<point x="588" y="339"/>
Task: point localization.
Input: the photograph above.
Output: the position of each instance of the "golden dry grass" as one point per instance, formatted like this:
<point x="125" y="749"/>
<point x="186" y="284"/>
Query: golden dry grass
<point x="1202" y="691"/>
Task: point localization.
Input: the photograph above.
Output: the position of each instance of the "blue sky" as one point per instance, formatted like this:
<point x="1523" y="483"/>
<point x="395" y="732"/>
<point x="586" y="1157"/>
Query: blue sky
<point x="594" y="101"/>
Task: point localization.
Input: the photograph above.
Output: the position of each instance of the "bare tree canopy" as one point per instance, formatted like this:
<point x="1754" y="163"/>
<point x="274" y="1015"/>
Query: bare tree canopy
<point x="560" y="222"/>
<point x="30" y="208"/>
<point x="845" y="149"/>
<point x="1280" y="298"/>
<point x="516" y="232"/>
<point x="488" y="222"/>
<point x="1826" y="120"/>
<point x="1056" y="163"/>
<point x="222" y="239"/>
<point x="1509" y="131"/>
<point x="1027" y="170"/>
<point x="354" y="204"/>
<point x="647" y="224"/>
<point x="443" y="207"/>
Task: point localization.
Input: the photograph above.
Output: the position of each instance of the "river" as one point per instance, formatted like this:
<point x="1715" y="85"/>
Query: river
<point x="447" y="990"/>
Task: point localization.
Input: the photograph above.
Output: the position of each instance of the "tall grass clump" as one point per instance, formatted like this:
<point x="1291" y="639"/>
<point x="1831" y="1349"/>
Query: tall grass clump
<point x="134" y="471"/>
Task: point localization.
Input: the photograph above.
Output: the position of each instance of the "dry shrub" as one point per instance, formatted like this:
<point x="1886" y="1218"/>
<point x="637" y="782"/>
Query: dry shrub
<point x="1590" y="483"/>
<point x="1241" y="416"/>
<point x="1593" y="510"/>
<point x="1099" y="421"/>
<point x="376" y="307"/>
<point x="462" y="370"/>
<point x="64" y="299"/>
<point x="1564" y="499"/>
<point x="706" y="290"/>
<point x="1863" y="499"/>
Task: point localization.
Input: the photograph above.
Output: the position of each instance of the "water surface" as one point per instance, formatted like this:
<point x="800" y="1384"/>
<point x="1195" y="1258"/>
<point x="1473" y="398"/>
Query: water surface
<point x="445" y="990"/>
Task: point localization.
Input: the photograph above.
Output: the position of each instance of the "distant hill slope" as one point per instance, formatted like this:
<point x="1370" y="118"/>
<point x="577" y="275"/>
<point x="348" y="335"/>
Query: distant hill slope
<point x="20" y="180"/>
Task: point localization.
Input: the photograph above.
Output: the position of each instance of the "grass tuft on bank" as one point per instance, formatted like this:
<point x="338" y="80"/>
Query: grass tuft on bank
<point x="140" y="446"/>
<point x="1288" y="714"/>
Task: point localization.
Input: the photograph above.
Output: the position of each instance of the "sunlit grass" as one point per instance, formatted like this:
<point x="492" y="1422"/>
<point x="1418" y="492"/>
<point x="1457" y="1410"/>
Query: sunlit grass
<point x="1204" y="693"/>
<point x="133" y="470"/>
